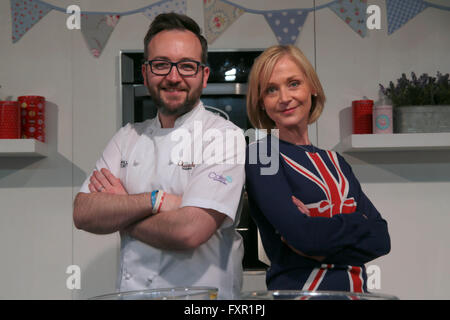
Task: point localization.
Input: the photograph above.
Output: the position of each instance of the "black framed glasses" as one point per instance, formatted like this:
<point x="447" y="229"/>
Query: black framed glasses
<point x="162" y="67"/>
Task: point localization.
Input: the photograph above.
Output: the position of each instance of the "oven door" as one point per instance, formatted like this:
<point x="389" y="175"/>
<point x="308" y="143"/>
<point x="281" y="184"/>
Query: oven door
<point x="137" y="106"/>
<point x="227" y="100"/>
<point x="224" y="99"/>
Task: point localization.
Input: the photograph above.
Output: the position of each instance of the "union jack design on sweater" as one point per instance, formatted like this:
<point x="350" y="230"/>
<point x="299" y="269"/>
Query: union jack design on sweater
<point x="336" y="191"/>
<point x="344" y="228"/>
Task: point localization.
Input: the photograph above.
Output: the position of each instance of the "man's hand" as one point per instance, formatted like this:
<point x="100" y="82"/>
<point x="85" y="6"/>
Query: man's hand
<point x="105" y="181"/>
<point x="171" y="202"/>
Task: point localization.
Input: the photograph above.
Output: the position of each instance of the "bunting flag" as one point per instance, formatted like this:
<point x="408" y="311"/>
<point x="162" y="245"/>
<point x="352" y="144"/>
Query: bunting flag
<point x="286" y="25"/>
<point x="96" y="27"/>
<point x="400" y="12"/>
<point x="353" y="12"/>
<point x="218" y="16"/>
<point x="178" y="6"/>
<point x="96" y="30"/>
<point x="24" y="15"/>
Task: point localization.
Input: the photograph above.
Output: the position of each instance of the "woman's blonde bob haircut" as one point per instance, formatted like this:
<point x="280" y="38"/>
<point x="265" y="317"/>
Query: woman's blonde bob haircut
<point x="259" y="78"/>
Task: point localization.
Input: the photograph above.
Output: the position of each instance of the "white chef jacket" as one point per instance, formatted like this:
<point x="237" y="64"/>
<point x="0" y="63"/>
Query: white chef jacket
<point x="141" y="155"/>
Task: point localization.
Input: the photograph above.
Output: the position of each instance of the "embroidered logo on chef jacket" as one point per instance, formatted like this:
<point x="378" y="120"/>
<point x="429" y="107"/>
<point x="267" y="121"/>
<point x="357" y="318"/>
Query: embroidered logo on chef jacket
<point x="186" y="165"/>
<point x="217" y="177"/>
<point x="183" y="165"/>
<point x="123" y="164"/>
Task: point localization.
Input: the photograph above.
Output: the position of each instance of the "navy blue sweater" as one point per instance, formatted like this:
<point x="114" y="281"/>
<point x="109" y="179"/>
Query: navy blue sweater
<point x="344" y="226"/>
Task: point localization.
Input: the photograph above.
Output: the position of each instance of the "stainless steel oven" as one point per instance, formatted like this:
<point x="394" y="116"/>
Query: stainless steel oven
<point x="225" y="95"/>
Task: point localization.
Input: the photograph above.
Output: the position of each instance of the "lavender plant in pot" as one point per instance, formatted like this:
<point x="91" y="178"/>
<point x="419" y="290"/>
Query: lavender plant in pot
<point x="420" y="104"/>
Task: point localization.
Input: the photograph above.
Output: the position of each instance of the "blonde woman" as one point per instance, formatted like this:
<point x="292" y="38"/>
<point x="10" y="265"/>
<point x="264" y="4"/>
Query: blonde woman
<point x="317" y="226"/>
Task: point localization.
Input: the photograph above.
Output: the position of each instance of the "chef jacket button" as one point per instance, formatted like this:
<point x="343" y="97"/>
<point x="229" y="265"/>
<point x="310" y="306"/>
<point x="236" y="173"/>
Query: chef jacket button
<point x="127" y="276"/>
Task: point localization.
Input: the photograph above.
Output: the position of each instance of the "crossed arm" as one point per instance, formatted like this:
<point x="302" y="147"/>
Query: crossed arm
<point x="109" y="208"/>
<point x="351" y="239"/>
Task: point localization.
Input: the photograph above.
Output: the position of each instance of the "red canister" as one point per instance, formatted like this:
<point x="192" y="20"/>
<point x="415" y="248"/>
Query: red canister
<point x="362" y="116"/>
<point x="9" y="120"/>
<point x="33" y="117"/>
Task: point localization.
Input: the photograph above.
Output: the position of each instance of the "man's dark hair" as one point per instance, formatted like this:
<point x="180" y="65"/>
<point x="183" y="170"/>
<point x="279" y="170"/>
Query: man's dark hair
<point x="175" y="21"/>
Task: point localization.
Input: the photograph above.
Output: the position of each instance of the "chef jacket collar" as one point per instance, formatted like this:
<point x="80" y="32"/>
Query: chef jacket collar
<point x="183" y="118"/>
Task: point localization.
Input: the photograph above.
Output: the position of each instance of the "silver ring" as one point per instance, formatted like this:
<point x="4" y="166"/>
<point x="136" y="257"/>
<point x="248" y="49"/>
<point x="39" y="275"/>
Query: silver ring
<point x="102" y="188"/>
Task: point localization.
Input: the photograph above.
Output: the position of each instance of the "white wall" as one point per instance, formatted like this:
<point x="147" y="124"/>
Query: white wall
<point x="37" y="238"/>
<point x="36" y="194"/>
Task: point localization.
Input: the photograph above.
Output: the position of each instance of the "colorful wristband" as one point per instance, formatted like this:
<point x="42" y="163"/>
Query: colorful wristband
<point x="156" y="206"/>
<point x="154" y="195"/>
<point x="161" y="201"/>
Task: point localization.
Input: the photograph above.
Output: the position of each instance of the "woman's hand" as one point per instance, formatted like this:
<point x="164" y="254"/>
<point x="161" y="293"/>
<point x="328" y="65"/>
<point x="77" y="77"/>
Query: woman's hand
<point x="300" y="206"/>
<point x="104" y="181"/>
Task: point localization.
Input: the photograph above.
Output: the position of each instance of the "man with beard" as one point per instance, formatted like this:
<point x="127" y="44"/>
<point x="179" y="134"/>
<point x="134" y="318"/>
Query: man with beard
<point x="176" y="218"/>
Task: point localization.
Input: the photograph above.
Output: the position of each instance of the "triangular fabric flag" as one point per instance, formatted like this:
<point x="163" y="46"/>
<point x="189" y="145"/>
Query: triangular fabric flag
<point x="177" y="6"/>
<point x="218" y="16"/>
<point x="353" y="12"/>
<point x="286" y="24"/>
<point x="24" y="15"/>
<point x="96" y="30"/>
<point x="400" y="12"/>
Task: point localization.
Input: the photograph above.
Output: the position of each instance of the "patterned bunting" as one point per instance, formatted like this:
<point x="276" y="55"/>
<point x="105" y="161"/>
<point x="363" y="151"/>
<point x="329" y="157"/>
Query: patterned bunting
<point x="218" y="16"/>
<point x="178" y="6"/>
<point x="400" y="12"/>
<point x="96" y="30"/>
<point x="24" y="15"/>
<point x="353" y="12"/>
<point x="286" y="24"/>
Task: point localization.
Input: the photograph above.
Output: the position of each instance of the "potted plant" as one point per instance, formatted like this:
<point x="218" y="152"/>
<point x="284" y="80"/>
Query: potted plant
<point x="420" y="104"/>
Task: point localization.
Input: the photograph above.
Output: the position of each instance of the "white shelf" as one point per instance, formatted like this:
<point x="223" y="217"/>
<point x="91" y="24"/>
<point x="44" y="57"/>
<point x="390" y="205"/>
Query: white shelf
<point x="22" y="148"/>
<point x="395" y="142"/>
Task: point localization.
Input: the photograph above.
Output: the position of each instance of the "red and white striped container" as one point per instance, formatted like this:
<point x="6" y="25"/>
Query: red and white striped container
<point x="33" y="117"/>
<point x="9" y="120"/>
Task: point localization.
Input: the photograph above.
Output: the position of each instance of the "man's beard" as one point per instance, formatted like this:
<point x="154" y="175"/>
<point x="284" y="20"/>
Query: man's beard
<point x="189" y="103"/>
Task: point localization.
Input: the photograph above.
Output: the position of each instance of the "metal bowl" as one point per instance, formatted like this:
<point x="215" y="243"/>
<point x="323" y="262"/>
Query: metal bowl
<point x="312" y="295"/>
<point x="178" y="293"/>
